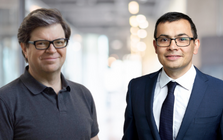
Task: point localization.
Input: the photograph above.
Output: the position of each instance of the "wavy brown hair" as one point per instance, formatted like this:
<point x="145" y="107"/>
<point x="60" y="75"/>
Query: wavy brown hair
<point x="40" y="18"/>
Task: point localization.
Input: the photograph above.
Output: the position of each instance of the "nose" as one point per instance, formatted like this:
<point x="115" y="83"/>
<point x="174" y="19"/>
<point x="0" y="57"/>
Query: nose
<point x="51" y="49"/>
<point x="173" y="45"/>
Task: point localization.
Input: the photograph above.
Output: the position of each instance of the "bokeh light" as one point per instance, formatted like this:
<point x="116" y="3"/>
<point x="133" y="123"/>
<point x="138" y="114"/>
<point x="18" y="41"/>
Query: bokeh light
<point x="142" y="33"/>
<point x="133" y="7"/>
<point x="133" y="22"/>
<point x="141" y="46"/>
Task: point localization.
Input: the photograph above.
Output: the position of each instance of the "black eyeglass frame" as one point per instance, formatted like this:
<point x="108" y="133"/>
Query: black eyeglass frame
<point x="50" y="42"/>
<point x="190" y="38"/>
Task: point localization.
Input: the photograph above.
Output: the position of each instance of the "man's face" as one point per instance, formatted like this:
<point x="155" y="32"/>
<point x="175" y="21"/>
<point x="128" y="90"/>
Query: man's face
<point x="174" y="58"/>
<point x="49" y="60"/>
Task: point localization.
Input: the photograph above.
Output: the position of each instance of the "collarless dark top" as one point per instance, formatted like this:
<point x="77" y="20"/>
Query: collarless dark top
<point x="31" y="111"/>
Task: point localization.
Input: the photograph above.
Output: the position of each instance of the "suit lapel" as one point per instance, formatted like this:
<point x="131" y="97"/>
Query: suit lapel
<point x="197" y="95"/>
<point x="149" y="95"/>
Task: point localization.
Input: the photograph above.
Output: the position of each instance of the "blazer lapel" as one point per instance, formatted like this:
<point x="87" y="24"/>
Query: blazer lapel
<point x="197" y="95"/>
<point x="149" y="95"/>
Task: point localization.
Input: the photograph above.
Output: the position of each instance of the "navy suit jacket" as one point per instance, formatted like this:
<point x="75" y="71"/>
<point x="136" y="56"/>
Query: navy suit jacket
<point x="203" y="119"/>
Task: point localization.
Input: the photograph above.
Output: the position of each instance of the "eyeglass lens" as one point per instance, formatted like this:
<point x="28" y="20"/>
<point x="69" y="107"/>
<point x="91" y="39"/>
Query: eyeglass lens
<point x="166" y="41"/>
<point x="43" y="44"/>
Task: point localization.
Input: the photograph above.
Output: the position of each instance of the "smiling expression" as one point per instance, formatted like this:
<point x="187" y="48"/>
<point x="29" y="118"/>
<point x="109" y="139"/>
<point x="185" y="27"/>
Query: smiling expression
<point x="174" y="58"/>
<point x="45" y="61"/>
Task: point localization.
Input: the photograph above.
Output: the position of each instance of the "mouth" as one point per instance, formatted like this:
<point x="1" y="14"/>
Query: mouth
<point x="49" y="58"/>
<point x="173" y="57"/>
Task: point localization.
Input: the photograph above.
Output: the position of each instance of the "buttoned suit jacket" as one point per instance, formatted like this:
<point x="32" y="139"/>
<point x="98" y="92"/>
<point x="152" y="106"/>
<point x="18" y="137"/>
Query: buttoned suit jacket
<point x="203" y="118"/>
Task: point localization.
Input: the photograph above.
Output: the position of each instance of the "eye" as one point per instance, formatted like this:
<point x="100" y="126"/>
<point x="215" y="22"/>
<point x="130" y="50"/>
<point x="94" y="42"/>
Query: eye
<point x="163" y="39"/>
<point x="182" y="39"/>
<point x="41" y="43"/>
<point x="59" y="42"/>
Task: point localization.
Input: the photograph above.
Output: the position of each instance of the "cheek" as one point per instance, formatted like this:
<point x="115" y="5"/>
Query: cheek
<point x="160" y="52"/>
<point x="34" y="55"/>
<point x="29" y="54"/>
<point x="63" y="52"/>
<point x="161" y="56"/>
<point x="188" y="55"/>
<point x="156" y="51"/>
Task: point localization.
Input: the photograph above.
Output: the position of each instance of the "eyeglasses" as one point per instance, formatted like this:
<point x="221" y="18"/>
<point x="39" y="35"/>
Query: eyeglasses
<point x="45" y="44"/>
<point x="164" y="41"/>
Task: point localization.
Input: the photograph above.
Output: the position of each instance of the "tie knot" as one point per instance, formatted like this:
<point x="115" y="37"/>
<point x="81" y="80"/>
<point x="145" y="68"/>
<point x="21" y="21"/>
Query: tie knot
<point x="171" y="86"/>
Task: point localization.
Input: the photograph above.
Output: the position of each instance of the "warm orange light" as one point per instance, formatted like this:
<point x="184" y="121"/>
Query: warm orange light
<point x="141" y="46"/>
<point x="133" y="7"/>
<point x="140" y="18"/>
<point x="144" y="25"/>
<point x="134" y="30"/>
<point x="133" y="22"/>
<point x="142" y="33"/>
<point x="133" y="47"/>
<point x="134" y="38"/>
<point x="111" y="60"/>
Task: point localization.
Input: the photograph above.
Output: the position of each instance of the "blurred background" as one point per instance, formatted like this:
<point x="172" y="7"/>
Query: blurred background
<point x="111" y="43"/>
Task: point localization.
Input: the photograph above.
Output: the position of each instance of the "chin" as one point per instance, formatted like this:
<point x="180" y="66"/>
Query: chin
<point x="52" y="69"/>
<point x="173" y="67"/>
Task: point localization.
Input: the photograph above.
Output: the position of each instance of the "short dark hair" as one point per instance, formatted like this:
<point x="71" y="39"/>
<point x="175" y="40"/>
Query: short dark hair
<point x="40" y="18"/>
<point x="174" y="16"/>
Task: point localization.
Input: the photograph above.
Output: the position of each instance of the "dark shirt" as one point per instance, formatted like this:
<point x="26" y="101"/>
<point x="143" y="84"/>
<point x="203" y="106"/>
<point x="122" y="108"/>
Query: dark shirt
<point x="31" y="111"/>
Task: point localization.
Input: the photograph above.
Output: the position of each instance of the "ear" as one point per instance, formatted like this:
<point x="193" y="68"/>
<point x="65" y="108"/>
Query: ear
<point x="196" y="46"/>
<point x="24" y="49"/>
<point x="155" y="46"/>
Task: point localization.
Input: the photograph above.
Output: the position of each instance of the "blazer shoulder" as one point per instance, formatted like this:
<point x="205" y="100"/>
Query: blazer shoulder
<point x="145" y="77"/>
<point x="210" y="80"/>
<point x="208" y="77"/>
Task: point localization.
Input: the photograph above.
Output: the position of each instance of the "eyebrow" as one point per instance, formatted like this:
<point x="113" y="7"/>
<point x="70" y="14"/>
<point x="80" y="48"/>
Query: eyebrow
<point x="181" y="34"/>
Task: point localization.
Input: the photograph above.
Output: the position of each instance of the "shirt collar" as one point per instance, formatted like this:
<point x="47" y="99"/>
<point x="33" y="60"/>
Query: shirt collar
<point x="65" y="84"/>
<point x="186" y="81"/>
<point x="35" y="86"/>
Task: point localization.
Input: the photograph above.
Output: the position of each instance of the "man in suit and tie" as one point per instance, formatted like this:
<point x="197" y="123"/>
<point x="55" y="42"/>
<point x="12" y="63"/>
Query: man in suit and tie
<point x="178" y="102"/>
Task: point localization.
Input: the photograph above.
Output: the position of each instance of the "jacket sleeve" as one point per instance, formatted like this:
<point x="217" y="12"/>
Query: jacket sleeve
<point x="6" y="123"/>
<point x="220" y="132"/>
<point x="130" y="131"/>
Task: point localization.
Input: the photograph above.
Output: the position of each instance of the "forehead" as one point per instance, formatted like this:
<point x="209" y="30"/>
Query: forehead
<point x="50" y="32"/>
<point x="174" y="28"/>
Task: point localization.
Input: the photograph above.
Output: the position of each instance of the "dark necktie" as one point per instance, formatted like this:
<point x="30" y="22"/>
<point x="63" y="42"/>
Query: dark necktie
<point x="166" y="115"/>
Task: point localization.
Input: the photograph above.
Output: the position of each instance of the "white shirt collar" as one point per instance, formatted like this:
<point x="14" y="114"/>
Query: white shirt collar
<point x="186" y="81"/>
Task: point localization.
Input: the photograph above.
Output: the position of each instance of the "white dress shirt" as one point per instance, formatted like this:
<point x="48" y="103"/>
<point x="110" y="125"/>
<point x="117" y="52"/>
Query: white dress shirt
<point x="182" y="94"/>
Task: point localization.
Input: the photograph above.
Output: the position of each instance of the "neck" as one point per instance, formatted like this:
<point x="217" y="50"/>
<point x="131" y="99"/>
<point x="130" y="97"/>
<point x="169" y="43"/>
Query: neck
<point x="177" y="73"/>
<point x="52" y="80"/>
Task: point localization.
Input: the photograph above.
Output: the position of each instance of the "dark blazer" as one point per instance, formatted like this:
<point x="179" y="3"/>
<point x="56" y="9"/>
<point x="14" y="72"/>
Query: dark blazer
<point x="203" y="119"/>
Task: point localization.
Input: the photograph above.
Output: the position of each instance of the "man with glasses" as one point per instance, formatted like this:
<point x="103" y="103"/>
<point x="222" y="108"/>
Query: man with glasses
<point x="178" y="102"/>
<point x="41" y="104"/>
